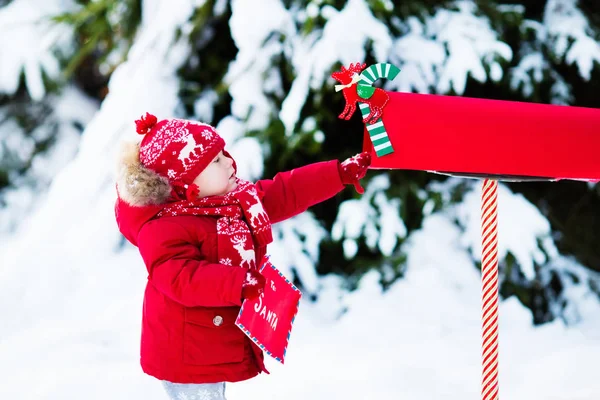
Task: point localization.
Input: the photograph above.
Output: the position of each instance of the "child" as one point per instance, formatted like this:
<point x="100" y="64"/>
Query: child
<point x="201" y="232"/>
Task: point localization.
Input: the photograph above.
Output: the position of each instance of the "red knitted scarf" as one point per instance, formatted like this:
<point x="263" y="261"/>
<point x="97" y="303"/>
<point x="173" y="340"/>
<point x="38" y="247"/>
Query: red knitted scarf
<point x="243" y="222"/>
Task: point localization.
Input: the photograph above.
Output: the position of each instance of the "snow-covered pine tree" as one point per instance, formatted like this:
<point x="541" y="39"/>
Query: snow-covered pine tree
<point x="41" y="116"/>
<point x="259" y="71"/>
<point x="50" y="88"/>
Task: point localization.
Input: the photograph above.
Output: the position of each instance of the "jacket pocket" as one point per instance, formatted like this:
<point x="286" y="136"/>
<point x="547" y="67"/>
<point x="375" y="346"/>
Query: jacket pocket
<point x="211" y="337"/>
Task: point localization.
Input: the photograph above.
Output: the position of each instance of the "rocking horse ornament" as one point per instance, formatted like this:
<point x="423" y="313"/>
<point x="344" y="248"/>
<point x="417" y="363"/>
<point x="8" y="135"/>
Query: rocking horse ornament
<point x="356" y="87"/>
<point x="468" y="137"/>
<point x="353" y="92"/>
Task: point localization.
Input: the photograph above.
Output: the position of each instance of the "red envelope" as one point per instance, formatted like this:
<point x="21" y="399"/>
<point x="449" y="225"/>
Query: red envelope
<point x="268" y="319"/>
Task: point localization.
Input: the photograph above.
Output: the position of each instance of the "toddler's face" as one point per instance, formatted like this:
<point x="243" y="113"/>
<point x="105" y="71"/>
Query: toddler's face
<point x="218" y="178"/>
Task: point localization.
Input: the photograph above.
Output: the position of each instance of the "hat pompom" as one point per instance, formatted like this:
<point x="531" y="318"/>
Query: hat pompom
<point x="145" y="124"/>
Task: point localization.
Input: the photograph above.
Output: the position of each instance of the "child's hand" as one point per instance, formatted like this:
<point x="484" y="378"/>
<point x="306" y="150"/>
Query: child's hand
<point x="355" y="168"/>
<point x="253" y="285"/>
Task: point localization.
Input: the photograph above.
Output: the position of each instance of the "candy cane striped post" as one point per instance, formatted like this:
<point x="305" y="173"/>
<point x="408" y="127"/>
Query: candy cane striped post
<point x="489" y="280"/>
<point x="377" y="132"/>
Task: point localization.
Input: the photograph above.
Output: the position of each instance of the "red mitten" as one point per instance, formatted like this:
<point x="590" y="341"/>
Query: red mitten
<point x="354" y="169"/>
<point x="253" y="285"/>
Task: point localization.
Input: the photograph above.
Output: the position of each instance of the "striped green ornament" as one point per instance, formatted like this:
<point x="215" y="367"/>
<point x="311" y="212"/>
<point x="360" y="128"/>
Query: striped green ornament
<point x="377" y="132"/>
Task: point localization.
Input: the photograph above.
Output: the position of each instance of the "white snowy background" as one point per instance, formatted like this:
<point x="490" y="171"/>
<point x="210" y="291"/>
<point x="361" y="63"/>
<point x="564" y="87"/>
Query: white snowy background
<point x="71" y="293"/>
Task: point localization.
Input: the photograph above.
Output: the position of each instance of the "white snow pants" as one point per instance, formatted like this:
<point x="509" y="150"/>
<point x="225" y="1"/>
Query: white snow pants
<point x="195" y="391"/>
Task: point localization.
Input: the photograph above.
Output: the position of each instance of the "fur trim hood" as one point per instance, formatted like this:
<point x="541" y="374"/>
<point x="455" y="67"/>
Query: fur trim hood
<point x="142" y="193"/>
<point x="137" y="185"/>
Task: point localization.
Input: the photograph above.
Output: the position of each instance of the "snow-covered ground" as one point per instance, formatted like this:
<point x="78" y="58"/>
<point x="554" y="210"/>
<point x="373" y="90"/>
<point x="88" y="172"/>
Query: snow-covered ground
<point x="79" y="335"/>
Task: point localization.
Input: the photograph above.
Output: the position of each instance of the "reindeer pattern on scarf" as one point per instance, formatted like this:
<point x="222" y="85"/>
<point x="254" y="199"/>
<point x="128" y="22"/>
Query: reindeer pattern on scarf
<point x="237" y="233"/>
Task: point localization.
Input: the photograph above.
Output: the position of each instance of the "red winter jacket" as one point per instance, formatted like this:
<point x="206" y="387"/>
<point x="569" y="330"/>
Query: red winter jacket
<point x="183" y="340"/>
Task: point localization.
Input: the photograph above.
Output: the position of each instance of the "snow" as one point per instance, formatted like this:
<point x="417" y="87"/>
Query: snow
<point x="70" y="108"/>
<point x="566" y="24"/>
<point x="19" y="146"/>
<point x="566" y="34"/>
<point x="522" y="243"/>
<point x="381" y="226"/>
<point x="252" y="30"/>
<point x="584" y="52"/>
<point x="297" y="249"/>
<point x="471" y="42"/>
<point x="315" y="55"/>
<point x="529" y="73"/>
<point x="71" y="289"/>
<point x="418" y="57"/>
<point x="203" y="106"/>
<point x="525" y="233"/>
<point x="28" y="21"/>
<point x="439" y="55"/>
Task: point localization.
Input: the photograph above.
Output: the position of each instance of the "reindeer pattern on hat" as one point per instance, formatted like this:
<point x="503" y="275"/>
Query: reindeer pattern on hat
<point x="188" y="150"/>
<point x="174" y="146"/>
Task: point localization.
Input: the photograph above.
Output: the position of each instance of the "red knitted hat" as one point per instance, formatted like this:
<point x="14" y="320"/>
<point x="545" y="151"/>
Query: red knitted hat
<point x="177" y="149"/>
